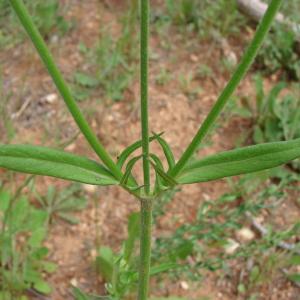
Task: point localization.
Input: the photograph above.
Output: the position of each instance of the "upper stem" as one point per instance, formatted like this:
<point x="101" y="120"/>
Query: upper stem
<point x="238" y="75"/>
<point x="62" y="86"/>
<point x="144" y="91"/>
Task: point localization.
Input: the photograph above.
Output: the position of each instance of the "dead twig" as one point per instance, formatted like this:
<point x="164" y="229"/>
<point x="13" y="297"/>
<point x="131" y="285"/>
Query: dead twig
<point x="17" y="114"/>
<point x="263" y="231"/>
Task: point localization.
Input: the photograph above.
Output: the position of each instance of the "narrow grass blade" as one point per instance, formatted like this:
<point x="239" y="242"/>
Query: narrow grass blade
<point x="54" y="163"/>
<point x="163" y="268"/>
<point x="167" y="150"/>
<point x="240" y="161"/>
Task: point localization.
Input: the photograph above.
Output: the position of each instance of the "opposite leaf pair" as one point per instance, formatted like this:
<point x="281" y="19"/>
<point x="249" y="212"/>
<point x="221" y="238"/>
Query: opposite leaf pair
<point x="60" y="164"/>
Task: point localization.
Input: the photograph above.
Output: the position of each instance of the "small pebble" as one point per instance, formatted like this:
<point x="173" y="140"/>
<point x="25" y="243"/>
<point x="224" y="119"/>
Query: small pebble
<point x="51" y="98"/>
<point x="74" y="282"/>
<point x="184" y="285"/>
<point x="245" y="234"/>
<point x="232" y="246"/>
<point x="91" y="189"/>
<point x="93" y="253"/>
<point x="194" y="58"/>
<point x="71" y="147"/>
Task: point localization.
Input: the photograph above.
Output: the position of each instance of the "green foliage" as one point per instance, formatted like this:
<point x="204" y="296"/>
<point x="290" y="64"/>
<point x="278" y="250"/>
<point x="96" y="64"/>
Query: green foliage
<point x="205" y="240"/>
<point x="116" y="69"/>
<point x="275" y="117"/>
<point x="61" y="203"/>
<point x="198" y="15"/>
<point x="240" y="161"/>
<point x="295" y="277"/>
<point x="80" y="295"/>
<point x="56" y="163"/>
<point x="281" y="53"/>
<point x="119" y="269"/>
<point x="275" y="114"/>
<point x="163" y="77"/>
<point x="47" y="16"/>
<point x="114" y="59"/>
<point x="23" y="256"/>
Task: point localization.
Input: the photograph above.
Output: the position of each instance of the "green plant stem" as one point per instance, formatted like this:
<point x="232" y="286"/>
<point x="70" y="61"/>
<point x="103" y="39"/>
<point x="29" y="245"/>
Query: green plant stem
<point x="144" y="91"/>
<point x="145" y="248"/>
<point x="62" y="87"/>
<point x="238" y="75"/>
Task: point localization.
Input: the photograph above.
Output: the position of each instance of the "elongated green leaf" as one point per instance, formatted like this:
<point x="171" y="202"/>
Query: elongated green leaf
<point x="163" y="268"/>
<point x="168" y="179"/>
<point x="105" y="263"/>
<point x="159" y="181"/>
<point x="167" y="151"/>
<point x="129" y="168"/>
<point x="240" y="161"/>
<point x="49" y="162"/>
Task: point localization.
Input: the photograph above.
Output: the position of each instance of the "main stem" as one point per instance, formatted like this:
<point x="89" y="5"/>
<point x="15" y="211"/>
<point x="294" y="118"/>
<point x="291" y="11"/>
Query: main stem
<point x="144" y="91"/>
<point x="146" y="202"/>
<point x="145" y="248"/>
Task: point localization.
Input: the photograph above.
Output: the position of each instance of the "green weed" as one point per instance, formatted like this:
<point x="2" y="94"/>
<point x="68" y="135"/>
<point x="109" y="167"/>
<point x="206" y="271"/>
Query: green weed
<point x="47" y="16"/>
<point x="61" y="204"/>
<point x="23" y="256"/>
<point x="280" y="54"/>
<point x="114" y="59"/>
<point x="204" y="17"/>
<point x="275" y="114"/>
<point x="206" y="243"/>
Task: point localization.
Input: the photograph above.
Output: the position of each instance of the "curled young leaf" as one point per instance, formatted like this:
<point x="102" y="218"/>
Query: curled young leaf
<point x="128" y="171"/>
<point x="159" y="181"/>
<point x="158" y="167"/>
<point x="130" y="149"/>
<point x="167" y="150"/>
<point x="240" y="161"/>
<point x="55" y="163"/>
